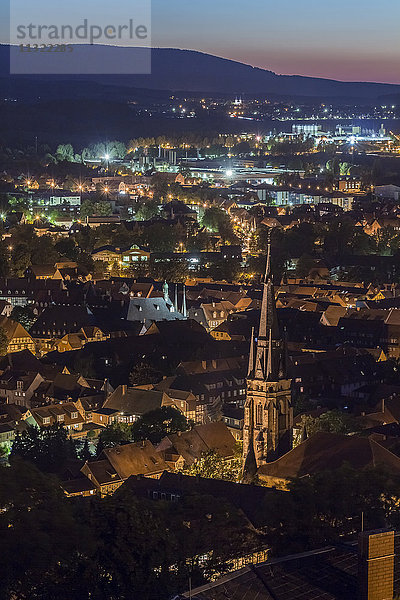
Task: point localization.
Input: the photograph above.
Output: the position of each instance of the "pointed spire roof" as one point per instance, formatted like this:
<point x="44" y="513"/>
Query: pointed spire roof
<point x="268" y="318"/>
<point x="184" y="309"/>
<point x="165" y="291"/>
<point x="176" y="297"/>
<point x="268" y="352"/>
<point x="250" y="371"/>
<point x="250" y="465"/>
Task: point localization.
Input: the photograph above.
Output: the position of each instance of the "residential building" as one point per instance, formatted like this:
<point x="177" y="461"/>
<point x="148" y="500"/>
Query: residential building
<point x="117" y="464"/>
<point x="66" y="414"/>
<point x="134" y="402"/>
<point x="186" y="447"/>
<point x="17" y="336"/>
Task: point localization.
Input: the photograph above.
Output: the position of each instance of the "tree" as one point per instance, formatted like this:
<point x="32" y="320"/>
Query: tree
<point x="300" y="240"/>
<point x="48" y="448"/>
<point x="333" y="421"/>
<point x="213" y="466"/>
<point x="87" y="209"/>
<point x="85" y="264"/>
<point x="143" y="373"/>
<point x="160" y="237"/>
<point x="65" y="152"/>
<point x="23" y="315"/>
<point x="157" y="424"/>
<point x="113" y="435"/>
<point x="228" y="270"/>
<point x="304" y="265"/>
<point x="84" y="453"/>
<point x="4" y="451"/>
<point x="160" y="186"/>
<point x="21" y="259"/>
<point x="326" y="508"/>
<point x="42" y="250"/>
<point x="3" y="342"/>
<point x="34" y="502"/>
<point x="67" y="247"/>
<point x="102" y="209"/>
<point x="147" y="210"/>
<point x="170" y="270"/>
<point x="214" y="218"/>
<point x="4" y="260"/>
<point x="200" y="241"/>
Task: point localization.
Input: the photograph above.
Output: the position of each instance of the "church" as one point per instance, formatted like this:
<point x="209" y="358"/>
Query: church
<point x="268" y="413"/>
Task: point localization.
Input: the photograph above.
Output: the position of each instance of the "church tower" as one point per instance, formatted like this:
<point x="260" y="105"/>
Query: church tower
<point x="268" y="414"/>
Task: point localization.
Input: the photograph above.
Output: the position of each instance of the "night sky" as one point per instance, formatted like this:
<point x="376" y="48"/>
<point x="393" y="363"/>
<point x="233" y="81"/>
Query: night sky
<point x="341" y="39"/>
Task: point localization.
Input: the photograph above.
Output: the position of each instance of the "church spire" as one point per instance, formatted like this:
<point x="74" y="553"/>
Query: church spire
<point x="268" y="342"/>
<point x="268" y="414"/>
<point x="184" y="308"/>
<point x="176" y="297"/>
<point x="165" y="291"/>
<point x="250" y="371"/>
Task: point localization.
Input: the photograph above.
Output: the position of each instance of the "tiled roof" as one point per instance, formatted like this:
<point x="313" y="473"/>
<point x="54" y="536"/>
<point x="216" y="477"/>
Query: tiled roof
<point x="329" y="451"/>
<point x="326" y="574"/>
<point x="192" y="444"/>
<point x="135" y="401"/>
<point x="140" y="458"/>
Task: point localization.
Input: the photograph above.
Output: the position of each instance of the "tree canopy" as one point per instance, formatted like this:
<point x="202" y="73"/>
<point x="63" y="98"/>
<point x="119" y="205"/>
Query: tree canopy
<point x="159" y="423"/>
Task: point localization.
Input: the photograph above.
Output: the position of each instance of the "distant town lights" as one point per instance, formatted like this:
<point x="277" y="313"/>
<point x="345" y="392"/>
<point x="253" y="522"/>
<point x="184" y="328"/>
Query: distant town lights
<point x="229" y="172"/>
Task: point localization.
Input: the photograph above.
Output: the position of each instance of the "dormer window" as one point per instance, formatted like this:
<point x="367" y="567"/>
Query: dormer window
<point x="60" y="418"/>
<point x="46" y="420"/>
<point x="74" y="415"/>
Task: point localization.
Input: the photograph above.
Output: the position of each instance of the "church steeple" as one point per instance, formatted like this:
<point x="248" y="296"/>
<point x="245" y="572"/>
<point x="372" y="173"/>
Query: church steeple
<point x="269" y="343"/>
<point x="268" y="416"/>
<point x="184" y="308"/>
<point x="176" y="297"/>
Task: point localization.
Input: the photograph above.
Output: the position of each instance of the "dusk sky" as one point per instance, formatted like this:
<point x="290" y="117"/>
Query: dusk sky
<point x="345" y="39"/>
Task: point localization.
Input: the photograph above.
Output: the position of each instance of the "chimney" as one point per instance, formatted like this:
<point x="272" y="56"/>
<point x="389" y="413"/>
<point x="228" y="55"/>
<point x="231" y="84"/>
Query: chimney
<point x="124" y="389"/>
<point x="376" y="565"/>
